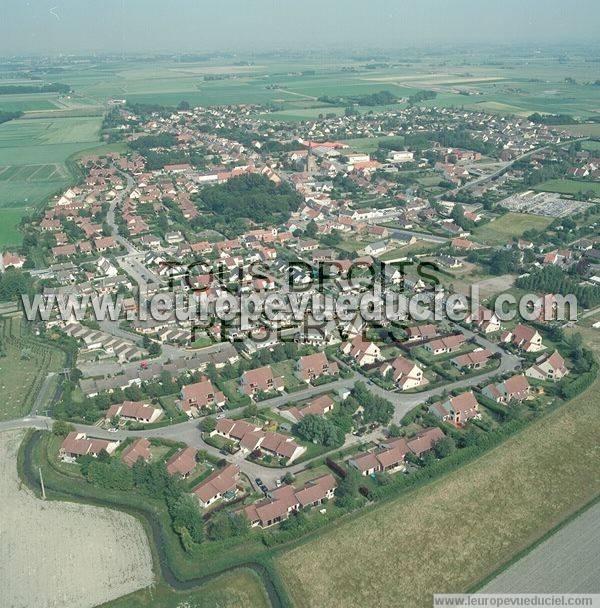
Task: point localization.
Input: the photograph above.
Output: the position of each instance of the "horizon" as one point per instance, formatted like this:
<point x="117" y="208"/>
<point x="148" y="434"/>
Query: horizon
<point x="71" y="27"/>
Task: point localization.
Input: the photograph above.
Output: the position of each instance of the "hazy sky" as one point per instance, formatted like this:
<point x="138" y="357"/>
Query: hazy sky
<point x="196" y="25"/>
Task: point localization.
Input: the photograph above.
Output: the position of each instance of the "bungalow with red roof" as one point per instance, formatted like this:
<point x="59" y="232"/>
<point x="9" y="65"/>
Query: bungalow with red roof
<point x="421" y="332"/>
<point x="448" y="344"/>
<point x="134" y="411"/>
<point x="318" y="406"/>
<point x="424" y="441"/>
<point x="183" y="462"/>
<point x="389" y="459"/>
<point x="283" y="501"/>
<point x="473" y="360"/>
<point x="485" y="320"/>
<point x="220" y="484"/>
<point x="140" y="448"/>
<point x="77" y="444"/>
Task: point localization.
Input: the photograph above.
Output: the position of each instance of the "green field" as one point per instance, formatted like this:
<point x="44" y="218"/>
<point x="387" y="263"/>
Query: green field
<point x="9" y="222"/>
<point x="33" y="155"/>
<point x="502" y="229"/>
<point x="569" y="186"/>
<point x="23" y="368"/>
<point x="450" y="534"/>
<point x="240" y="588"/>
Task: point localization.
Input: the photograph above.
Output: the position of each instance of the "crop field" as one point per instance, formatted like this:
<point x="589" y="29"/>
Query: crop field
<point x="49" y="543"/>
<point x="33" y="153"/>
<point x="241" y="588"/>
<point x="427" y="541"/>
<point x="9" y="223"/>
<point x="569" y="186"/>
<point x="23" y="368"/>
<point x="564" y="563"/>
<point x="503" y="229"/>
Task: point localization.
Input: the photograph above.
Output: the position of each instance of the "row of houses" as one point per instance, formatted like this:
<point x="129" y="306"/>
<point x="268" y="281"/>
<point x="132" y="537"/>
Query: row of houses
<point x="390" y="457"/>
<point x="250" y="437"/>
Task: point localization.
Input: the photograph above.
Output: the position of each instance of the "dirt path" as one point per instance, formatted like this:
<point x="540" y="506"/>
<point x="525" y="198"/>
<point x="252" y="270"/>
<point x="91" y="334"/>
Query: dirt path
<point x="64" y="554"/>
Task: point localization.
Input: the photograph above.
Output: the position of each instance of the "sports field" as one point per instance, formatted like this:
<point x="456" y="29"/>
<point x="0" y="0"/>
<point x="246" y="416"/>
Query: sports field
<point x="569" y="186"/>
<point x="448" y="535"/>
<point x="504" y="228"/>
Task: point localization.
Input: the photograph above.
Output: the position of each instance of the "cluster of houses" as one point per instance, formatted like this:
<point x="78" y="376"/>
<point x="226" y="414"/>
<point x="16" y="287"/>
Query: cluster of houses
<point x="286" y="500"/>
<point x="251" y="438"/>
<point x="390" y="456"/>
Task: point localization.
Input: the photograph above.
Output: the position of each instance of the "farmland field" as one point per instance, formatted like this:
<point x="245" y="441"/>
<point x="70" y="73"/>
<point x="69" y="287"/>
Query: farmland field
<point x="9" y="222"/>
<point x="49" y="543"/>
<point x="502" y="229"/>
<point x="33" y="153"/>
<point x="568" y="186"/>
<point x="450" y="534"/>
<point x="566" y="562"/>
<point x="240" y="588"/>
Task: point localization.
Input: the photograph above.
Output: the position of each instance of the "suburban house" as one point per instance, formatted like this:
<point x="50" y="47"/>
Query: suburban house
<point x="424" y="441"/>
<point x="527" y="339"/>
<point x="77" y="444"/>
<point x="473" y="360"/>
<point x="220" y="484"/>
<point x="140" y="448"/>
<point x="405" y="373"/>
<point x="515" y="388"/>
<point x="318" y="406"/>
<point x="457" y="410"/>
<point x="389" y="458"/>
<point x="485" y="320"/>
<point x="259" y="380"/>
<point x="421" y="332"/>
<point x="251" y="437"/>
<point x="548" y="367"/>
<point x="134" y="411"/>
<point x="286" y="500"/>
<point x="182" y="463"/>
<point x="311" y="367"/>
<point x="195" y="397"/>
<point x="448" y="344"/>
<point x="364" y="352"/>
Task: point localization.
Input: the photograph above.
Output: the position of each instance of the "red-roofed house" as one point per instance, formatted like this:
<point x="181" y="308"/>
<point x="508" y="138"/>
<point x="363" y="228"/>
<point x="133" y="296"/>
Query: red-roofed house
<point x="549" y="367"/>
<point x="77" y="444"/>
<point x="457" y="410"/>
<point x="258" y="380"/>
<point x="140" y="448"/>
<point x="220" y="484"/>
<point x="182" y="463"/>
<point x="406" y="374"/>
<point x="311" y="367"/>
<point x="364" y="352"/>
<point x="135" y="411"/>
<point x="195" y="397"/>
